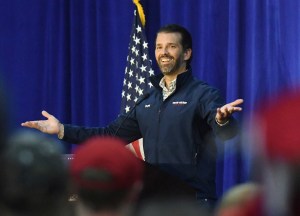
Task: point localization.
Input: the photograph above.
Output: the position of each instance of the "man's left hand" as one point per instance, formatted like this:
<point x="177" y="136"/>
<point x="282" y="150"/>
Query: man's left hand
<point x="227" y="110"/>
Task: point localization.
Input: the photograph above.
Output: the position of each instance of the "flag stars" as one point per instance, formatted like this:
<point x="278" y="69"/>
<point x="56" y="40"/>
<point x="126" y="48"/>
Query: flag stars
<point x="132" y="61"/>
<point x="139" y="29"/>
<point x="129" y="85"/>
<point x="131" y="73"/>
<point x="144" y="57"/>
<point x="142" y="80"/>
<point x="128" y="97"/>
<point x="136" y="52"/>
<point x="143" y="68"/>
<point x="137" y="40"/>
<point x="145" y="45"/>
<point x="151" y="72"/>
<point x="137" y="69"/>
<point x="133" y="49"/>
<point x="137" y="88"/>
<point x="150" y="85"/>
<point x="127" y="108"/>
<point x="140" y="92"/>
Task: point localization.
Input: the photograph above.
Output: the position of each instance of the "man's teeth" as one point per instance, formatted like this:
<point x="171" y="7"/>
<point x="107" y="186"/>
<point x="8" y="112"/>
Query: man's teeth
<point x="166" y="60"/>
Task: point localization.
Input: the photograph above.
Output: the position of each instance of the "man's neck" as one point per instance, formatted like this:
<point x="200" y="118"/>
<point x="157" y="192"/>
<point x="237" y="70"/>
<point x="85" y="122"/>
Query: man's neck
<point x="170" y="77"/>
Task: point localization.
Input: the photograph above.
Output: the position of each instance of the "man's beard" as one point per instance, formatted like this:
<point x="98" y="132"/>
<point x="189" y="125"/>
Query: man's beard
<point x="171" y="68"/>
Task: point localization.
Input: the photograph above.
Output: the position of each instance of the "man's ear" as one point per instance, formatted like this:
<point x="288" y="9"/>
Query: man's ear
<point x="187" y="54"/>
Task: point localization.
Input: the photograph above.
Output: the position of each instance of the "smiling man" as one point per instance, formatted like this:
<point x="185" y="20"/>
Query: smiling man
<point x="169" y="53"/>
<point x="178" y="120"/>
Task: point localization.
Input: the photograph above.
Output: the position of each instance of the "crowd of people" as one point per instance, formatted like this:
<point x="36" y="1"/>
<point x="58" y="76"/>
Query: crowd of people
<point x="103" y="178"/>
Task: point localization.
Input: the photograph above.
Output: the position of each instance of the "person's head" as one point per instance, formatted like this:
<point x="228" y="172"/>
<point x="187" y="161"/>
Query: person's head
<point x="176" y="206"/>
<point x="276" y="138"/>
<point x="173" y="49"/>
<point x="34" y="176"/>
<point x="237" y="199"/>
<point x="105" y="174"/>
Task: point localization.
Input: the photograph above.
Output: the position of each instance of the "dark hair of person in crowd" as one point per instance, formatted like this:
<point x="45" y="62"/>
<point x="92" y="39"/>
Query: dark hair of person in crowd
<point x="35" y="178"/>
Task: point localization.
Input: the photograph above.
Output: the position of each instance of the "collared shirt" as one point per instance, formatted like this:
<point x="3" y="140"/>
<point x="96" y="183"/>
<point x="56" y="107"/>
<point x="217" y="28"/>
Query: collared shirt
<point x="165" y="91"/>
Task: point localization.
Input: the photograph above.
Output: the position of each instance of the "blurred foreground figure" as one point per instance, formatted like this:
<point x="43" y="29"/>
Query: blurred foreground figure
<point x="275" y="135"/>
<point x="279" y="138"/>
<point x="34" y="180"/>
<point x="236" y="200"/>
<point x="171" y="207"/>
<point x="107" y="177"/>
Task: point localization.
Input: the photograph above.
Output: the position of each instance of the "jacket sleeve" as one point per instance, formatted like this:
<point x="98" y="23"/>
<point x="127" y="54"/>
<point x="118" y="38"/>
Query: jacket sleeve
<point x="227" y="131"/>
<point x="209" y="104"/>
<point x="124" y="127"/>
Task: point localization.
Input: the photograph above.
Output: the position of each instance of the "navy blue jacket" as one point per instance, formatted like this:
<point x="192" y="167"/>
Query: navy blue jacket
<point x="178" y="133"/>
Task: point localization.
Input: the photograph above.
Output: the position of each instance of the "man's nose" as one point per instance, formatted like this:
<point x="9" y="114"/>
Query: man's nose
<point x="165" y="50"/>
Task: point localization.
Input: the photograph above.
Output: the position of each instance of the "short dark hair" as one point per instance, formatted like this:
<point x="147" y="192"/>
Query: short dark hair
<point x="186" y="38"/>
<point x="34" y="176"/>
<point x="100" y="200"/>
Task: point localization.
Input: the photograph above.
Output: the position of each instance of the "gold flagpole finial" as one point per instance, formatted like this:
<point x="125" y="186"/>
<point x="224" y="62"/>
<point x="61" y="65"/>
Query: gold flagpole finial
<point x="140" y="11"/>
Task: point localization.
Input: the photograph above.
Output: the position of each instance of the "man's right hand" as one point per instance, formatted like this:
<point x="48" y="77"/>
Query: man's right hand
<point x="49" y="126"/>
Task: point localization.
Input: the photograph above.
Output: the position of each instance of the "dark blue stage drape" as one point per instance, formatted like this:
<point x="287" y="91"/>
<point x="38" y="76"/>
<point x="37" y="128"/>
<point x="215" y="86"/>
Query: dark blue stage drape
<point x="68" y="57"/>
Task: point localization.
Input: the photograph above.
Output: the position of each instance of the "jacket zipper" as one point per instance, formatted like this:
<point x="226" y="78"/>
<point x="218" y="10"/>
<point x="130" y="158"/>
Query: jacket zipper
<point x="159" y="111"/>
<point x="195" y="158"/>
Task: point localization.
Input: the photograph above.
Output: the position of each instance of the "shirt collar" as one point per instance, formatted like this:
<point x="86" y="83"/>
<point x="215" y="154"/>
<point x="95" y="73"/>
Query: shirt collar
<point x="166" y="92"/>
<point x="172" y="85"/>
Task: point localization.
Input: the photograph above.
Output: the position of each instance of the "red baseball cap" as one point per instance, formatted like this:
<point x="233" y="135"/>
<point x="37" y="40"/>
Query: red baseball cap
<point x="279" y="122"/>
<point x="104" y="163"/>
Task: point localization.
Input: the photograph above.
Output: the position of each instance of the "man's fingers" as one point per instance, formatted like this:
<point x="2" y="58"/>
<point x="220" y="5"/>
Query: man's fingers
<point x="26" y="124"/>
<point x="238" y="108"/>
<point x="228" y="110"/>
<point x="236" y="102"/>
<point x="234" y="109"/>
<point x="46" y="114"/>
<point x="30" y="124"/>
<point x="219" y="111"/>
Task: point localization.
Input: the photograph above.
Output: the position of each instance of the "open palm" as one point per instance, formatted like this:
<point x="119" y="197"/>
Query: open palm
<point x="49" y="126"/>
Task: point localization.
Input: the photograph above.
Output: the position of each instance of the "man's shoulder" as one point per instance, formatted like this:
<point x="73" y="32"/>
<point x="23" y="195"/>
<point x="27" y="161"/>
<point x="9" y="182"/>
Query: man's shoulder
<point x="201" y="84"/>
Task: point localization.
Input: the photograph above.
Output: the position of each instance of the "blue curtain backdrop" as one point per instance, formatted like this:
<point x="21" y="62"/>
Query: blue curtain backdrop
<point x="68" y="57"/>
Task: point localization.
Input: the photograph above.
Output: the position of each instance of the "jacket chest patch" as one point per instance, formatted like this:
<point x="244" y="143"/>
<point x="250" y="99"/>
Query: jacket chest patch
<point x="179" y="103"/>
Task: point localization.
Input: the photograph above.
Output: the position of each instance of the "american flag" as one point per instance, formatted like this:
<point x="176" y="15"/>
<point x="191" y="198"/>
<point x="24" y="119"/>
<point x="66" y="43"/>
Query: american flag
<point x="137" y="72"/>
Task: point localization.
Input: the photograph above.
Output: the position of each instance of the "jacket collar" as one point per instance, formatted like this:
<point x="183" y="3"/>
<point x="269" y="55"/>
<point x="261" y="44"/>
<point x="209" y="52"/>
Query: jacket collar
<point x="180" y="80"/>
